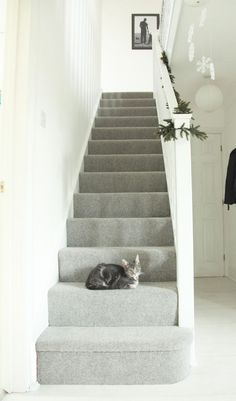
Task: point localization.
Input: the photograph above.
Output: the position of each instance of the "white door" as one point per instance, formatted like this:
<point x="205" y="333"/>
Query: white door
<point x="208" y="206"/>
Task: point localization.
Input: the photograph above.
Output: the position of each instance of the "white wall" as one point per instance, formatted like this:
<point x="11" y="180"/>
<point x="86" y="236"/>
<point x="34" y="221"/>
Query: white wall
<point x="229" y="143"/>
<point x="124" y="69"/>
<point x="64" y="94"/>
<point x="55" y="87"/>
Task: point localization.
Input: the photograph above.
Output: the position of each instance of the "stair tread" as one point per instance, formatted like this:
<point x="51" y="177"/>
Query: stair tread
<point x="117" y="129"/>
<point x="89" y="219"/>
<point x="139" y="194"/>
<point x="126" y="107"/>
<point x="125" y="140"/>
<point x="113" y="339"/>
<point x="122" y="128"/>
<point x="135" y="98"/>
<point x="125" y="156"/>
<point x="126" y="117"/>
<point x="76" y="249"/>
<point x="122" y="172"/>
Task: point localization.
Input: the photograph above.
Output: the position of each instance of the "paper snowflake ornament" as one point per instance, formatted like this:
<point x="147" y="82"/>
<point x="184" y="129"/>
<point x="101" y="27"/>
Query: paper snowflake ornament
<point x="212" y="71"/>
<point x="190" y="33"/>
<point x="203" y="17"/>
<point x="203" y="65"/>
<point x="191" y="52"/>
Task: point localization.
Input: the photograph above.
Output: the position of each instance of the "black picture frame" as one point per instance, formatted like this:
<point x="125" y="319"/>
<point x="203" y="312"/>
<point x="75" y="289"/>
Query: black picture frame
<point x="142" y="40"/>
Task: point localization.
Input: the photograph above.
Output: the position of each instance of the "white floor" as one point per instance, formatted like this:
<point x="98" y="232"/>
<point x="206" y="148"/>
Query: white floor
<point x="214" y="378"/>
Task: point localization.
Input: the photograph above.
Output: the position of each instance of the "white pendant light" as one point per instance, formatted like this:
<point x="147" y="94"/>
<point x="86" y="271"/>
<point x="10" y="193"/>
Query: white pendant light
<point x="195" y="3"/>
<point x="209" y="98"/>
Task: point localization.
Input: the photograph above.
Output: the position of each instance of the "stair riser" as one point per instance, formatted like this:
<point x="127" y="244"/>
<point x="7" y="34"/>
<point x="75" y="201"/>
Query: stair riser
<point x="158" y="264"/>
<point x="121" y="205"/>
<point x="127" y="95"/>
<point x="123" y="133"/>
<point x="76" y="306"/>
<point x="124" y="147"/>
<point x="124" y="163"/>
<point x="127" y="111"/>
<point x="119" y="232"/>
<point x="126" y="122"/>
<point x="122" y="182"/>
<point x="127" y="103"/>
<point x="118" y="368"/>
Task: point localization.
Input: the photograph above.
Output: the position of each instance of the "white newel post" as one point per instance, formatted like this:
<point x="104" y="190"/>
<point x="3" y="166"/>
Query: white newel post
<point x="184" y="225"/>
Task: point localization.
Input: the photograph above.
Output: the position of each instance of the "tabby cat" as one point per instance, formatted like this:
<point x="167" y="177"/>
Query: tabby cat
<point x="110" y="276"/>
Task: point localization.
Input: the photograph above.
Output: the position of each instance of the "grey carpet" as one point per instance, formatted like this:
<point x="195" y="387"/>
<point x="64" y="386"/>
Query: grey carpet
<point x="122" y="209"/>
<point x="148" y="231"/>
<point x="126" y="204"/>
<point x="113" y="355"/>
<point x="125" y="146"/>
<point x="72" y="304"/>
<point x="158" y="263"/>
<point x="142" y="181"/>
<point x="126" y="111"/>
<point x="132" y="121"/>
<point x="124" y="133"/>
<point x="128" y="102"/>
<point x="123" y="163"/>
<point x="127" y="95"/>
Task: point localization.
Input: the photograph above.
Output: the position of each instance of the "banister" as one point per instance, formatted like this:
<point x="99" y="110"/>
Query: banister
<point x="178" y="167"/>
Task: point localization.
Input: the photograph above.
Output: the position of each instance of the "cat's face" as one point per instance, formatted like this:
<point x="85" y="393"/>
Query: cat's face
<point x="133" y="269"/>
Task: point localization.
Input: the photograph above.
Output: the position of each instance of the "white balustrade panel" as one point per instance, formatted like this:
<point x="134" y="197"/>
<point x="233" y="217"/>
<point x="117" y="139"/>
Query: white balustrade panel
<point x="177" y="158"/>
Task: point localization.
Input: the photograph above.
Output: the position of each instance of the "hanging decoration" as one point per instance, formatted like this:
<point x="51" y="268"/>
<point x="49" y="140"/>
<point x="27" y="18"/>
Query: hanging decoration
<point x="209" y="98"/>
<point x="168" y="131"/>
<point x="190" y="33"/>
<point x="212" y="71"/>
<point x="203" y="17"/>
<point x="203" y="65"/>
<point x="191" y="52"/>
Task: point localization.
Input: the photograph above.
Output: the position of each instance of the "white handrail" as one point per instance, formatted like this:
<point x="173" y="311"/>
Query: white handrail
<point x="177" y="157"/>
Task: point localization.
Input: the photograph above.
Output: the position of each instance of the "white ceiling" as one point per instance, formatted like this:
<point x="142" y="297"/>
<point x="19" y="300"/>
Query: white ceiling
<point x="217" y="39"/>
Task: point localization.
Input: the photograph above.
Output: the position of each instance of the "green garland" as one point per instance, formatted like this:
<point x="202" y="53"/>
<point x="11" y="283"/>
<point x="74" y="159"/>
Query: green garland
<point x="169" y="131"/>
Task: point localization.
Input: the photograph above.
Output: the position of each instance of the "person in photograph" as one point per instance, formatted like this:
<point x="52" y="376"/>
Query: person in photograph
<point x="144" y="30"/>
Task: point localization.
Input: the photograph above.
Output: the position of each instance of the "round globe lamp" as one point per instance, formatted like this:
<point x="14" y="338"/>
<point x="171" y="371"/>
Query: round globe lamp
<point x="209" y="98"/>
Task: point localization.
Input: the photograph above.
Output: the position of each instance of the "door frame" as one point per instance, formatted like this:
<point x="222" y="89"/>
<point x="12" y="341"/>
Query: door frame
<point x="15" y="239"/>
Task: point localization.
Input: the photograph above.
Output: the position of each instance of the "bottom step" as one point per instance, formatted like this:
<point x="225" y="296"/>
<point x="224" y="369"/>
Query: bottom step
<point x="113" y="355"/>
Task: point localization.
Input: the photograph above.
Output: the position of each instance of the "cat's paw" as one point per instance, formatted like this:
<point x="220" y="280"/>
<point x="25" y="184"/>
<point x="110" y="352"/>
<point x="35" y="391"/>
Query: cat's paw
<point x="132" y="286"/>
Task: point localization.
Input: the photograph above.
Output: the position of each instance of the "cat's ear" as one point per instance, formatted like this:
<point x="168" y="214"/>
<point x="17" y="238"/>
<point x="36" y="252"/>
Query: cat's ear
<point x="137" y="261"/>
<point x="125" y="264"/>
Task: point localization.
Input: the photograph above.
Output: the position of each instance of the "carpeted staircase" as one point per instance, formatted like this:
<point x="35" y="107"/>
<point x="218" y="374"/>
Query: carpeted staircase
<point x="118" y="336"/>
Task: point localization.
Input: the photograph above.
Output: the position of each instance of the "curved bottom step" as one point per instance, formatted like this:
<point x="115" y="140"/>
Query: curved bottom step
<point x="113" y="355"/>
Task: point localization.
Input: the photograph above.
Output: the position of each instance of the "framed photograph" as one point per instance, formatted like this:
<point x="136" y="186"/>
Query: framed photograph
<point x="143" y="28"/>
